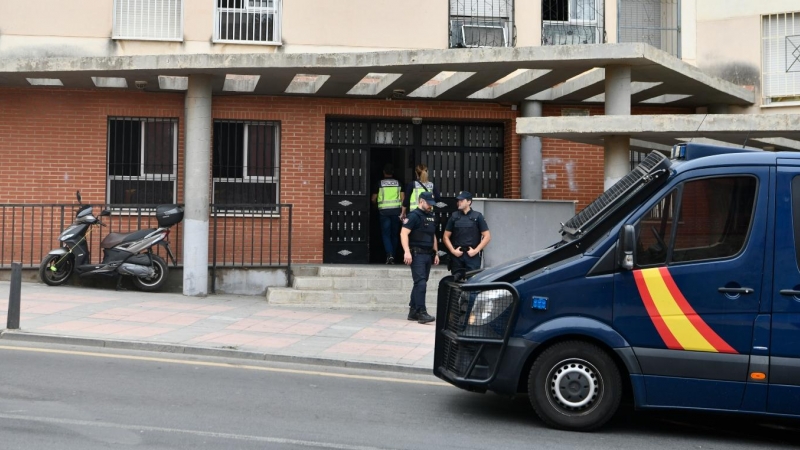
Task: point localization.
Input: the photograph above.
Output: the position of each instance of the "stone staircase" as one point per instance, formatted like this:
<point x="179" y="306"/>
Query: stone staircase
<point x="354" y="287"/>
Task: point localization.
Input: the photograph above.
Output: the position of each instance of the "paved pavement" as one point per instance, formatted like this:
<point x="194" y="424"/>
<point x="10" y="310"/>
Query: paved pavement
<point x="220" y="325"/>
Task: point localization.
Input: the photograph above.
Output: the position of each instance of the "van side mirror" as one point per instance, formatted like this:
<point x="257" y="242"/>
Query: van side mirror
<point x="105" y="212"/>
<point x="626" y="246"/>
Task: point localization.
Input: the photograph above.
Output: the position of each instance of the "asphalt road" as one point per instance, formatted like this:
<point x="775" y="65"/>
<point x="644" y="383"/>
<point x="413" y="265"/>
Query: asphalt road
<point x="81" y="398"/>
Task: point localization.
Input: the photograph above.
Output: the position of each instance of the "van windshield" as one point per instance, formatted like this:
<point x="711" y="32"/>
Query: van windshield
<point x="615" y="196"/>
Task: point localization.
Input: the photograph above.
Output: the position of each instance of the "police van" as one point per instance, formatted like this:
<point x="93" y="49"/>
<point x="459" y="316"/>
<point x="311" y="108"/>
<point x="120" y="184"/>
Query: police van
<point x="679" y="286"/>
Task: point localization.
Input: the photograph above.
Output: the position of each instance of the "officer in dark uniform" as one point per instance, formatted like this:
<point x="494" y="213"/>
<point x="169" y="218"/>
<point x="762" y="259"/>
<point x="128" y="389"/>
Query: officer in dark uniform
<point x="418" y="238"/>
<point x="465" y="235"/>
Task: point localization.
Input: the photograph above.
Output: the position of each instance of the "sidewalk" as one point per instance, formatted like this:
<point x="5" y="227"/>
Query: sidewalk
<point x="220" y="325"/>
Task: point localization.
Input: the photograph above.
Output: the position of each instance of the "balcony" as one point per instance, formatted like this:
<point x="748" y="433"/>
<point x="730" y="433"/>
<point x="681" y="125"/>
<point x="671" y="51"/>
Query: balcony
<point x="247" y="22"/>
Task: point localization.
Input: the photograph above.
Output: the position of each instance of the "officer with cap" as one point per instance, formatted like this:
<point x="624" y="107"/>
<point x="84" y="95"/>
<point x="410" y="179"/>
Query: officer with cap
<point x="465" y="235"/>
<point x="418" y="238"/>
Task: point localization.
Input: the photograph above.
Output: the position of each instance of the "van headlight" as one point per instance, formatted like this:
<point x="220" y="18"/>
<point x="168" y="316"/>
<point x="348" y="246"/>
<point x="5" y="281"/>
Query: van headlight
<point x="488" y="306"/>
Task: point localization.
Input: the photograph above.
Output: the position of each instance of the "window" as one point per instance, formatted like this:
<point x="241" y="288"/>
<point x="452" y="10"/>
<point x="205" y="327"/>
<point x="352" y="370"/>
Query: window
<point x="654" y="22"/>
<point x="142" y="155"/>
<point x="159" y="20"/>
<point x="481" y="23"/>
<point x="245" y="167"/>
<point x="780" y="58"/>
<point x="714" y="217"/>
<point x="567" y="22"/>
<point x="248" y="21"/>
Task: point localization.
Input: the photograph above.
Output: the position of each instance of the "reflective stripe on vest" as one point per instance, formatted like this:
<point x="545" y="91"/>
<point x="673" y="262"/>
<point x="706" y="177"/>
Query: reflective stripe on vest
<point x="389" y="194"/>
<point x="413" y="202"/>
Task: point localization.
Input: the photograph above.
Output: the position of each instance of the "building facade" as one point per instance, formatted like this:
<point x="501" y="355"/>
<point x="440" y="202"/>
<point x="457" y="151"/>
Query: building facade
<point x="221" y="104"/>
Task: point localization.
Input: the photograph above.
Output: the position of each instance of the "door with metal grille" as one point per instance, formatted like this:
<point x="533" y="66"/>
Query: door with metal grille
<point x="459" y="156"/>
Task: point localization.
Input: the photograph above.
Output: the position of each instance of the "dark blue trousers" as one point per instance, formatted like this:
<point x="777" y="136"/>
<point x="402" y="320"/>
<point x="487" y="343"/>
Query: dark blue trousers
<point x="390" y="231"/>
<point x="465" y="263"/>
<point x="420" y="270"/>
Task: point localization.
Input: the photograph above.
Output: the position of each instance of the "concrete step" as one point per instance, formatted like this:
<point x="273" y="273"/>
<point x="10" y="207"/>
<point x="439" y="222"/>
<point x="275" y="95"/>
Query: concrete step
<point x="375" y="271"/>
<point x="373" y="300"/>
<point x="361" y="283"/>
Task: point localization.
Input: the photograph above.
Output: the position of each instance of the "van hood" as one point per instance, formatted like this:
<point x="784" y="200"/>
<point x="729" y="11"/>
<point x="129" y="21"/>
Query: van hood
<point x="498" y="272"/>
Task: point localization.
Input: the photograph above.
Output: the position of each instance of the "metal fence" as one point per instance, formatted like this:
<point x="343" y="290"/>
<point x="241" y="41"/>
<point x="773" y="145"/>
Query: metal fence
<point x="654" y="22"/>
<point x="239" y="235"/>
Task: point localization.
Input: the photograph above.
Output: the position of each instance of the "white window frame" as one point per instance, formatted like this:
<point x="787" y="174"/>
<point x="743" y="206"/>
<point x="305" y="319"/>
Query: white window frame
<point x="115" y="33"/>
<point x="777" y="41"/>
<point x="276" y="9"/>
<point x="274" y="179"/>
<point x="172" y="177"/>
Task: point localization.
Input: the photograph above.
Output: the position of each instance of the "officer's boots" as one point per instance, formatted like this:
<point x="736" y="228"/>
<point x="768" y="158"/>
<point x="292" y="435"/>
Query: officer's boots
<point x="413" y="314"/>
<point x="389" y="258"/>
<point x="424" y="317"/>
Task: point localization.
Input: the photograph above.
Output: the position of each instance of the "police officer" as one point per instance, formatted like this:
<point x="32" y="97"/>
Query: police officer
<point x="416" y="187"/>
<point x="418" y="239"/>
<point x="389" y="199"/>
<point x="465" y="235"/>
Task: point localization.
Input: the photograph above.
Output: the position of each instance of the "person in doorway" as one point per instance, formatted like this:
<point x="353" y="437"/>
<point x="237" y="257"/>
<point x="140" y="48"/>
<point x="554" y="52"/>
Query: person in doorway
<point x="420" y="250"/>
<point x="389" y="199"/>
<point x="465" y="235"/>
<point x="415" y="188"/>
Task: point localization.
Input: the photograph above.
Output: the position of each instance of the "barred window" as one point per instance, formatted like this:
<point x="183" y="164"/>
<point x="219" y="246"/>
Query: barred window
<point x="481" y="23"/>
<point x="780" y="65"/>
<point x="245" y="167"/>
<point x="569" y="22"/>
<point x="142" y="161"/>
<point x="247" y="21"/>
<point x="157" y="20"/>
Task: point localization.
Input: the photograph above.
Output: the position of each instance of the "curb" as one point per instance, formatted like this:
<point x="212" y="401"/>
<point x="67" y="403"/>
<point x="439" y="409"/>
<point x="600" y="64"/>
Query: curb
<point x="19" y="336"/>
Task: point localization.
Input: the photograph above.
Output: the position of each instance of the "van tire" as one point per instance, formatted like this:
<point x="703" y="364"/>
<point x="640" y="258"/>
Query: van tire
<point x="588" y="381"/>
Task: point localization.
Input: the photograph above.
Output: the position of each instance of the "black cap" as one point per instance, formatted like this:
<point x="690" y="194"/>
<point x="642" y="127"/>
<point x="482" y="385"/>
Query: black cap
<point x="428" y="197"/>
<point x="464" y="195"/>
<point x="388" y="169"/>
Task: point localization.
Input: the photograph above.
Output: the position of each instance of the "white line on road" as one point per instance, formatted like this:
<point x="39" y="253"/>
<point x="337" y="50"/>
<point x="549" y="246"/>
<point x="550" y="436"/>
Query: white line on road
<point x="238" y="437"/>
<point x="225" y="365"/>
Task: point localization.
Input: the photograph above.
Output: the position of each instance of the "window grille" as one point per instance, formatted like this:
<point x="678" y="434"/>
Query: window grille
<point x="654" y="22"/>
<point x="142" y="161"/>
<point x="246" y="163"/>
<point x="159" y="20"/>
<point x="780" y="37"/>
<point x="248" y="21"/>
<point x="570" y="22"/>
<point x="481" y="23"/>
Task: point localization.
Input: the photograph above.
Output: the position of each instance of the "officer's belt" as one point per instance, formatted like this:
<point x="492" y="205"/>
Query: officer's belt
<point x="423" y="251"/>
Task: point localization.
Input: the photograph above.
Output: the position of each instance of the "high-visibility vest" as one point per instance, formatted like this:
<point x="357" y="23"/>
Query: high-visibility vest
<point x="413" y="202"/>
<point x="389" y="194"/>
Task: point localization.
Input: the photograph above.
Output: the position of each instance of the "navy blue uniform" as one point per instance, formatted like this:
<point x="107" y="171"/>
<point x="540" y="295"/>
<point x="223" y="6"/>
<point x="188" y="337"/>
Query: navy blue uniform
<point x="466" y="232"/>
<point x="420" y="241"/>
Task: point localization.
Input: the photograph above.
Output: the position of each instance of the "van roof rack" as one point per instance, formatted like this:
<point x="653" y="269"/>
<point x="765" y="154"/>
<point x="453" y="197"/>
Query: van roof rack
<point x="654" y="162"/>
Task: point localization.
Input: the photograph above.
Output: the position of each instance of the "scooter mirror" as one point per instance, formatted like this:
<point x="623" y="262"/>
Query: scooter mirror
<point x="78" y="196"/>
<point x="105" y="212"/>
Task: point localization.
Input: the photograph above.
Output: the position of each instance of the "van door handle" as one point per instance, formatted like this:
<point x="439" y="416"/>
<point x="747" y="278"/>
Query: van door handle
<point x="790" y="292"/>
<point x="742" y="290"/>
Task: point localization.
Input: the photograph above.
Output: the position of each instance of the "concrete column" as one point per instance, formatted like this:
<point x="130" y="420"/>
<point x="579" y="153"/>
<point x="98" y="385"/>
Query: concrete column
<point x="618" y="103"/>
<point x="530" y="156"/>
<point x="196" y="185"/>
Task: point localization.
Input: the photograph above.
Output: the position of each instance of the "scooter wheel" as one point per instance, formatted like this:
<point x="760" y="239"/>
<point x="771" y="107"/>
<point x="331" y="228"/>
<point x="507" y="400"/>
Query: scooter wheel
<point x="55" y="273"/>
<point x="155" y="282"/>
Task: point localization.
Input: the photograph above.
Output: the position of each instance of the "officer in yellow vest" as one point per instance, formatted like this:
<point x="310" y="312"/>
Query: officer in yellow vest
<point x="389" y="199"/>
<point x="415" y="188"/>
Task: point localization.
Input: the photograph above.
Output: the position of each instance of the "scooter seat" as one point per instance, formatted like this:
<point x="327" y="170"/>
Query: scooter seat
<point x="114" y="239"/>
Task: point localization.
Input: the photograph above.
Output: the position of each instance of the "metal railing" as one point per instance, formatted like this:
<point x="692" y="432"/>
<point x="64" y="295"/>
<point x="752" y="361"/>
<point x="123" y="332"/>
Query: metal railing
<point x="247" y="21"/>
<point x="240" y="235"/>
<point x="654" y="22"/>
<point x="573" y="22"/>
<point x="481" y="23"/>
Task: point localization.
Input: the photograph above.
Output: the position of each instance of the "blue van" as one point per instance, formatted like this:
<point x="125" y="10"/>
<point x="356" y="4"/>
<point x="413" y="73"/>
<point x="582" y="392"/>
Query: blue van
<point x="679" y="286"/>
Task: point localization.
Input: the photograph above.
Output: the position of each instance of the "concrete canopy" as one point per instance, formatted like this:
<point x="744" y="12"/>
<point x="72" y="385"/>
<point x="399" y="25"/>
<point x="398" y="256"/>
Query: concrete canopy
<point x="501" y="70"/>
<point x="660" y="132"/>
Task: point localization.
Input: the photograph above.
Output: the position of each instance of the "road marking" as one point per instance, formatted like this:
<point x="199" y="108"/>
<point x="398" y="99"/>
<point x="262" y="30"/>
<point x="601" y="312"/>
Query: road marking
<point x="212" y="434"/>
<point x="224" y="365"/>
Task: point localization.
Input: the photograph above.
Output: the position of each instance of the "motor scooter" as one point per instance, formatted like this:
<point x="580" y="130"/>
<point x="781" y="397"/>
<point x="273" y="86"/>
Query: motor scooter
<point x="124" y="254"/>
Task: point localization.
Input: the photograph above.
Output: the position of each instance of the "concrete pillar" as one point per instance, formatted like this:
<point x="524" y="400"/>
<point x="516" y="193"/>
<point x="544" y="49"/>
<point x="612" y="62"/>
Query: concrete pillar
<point x="530" y="156"/>
<point x="196" y="183"/>
<point x="618" y="103"/>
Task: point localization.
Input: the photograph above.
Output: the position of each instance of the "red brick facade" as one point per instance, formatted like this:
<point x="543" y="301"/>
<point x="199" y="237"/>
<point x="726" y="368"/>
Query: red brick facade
<point x="54" y="141"/>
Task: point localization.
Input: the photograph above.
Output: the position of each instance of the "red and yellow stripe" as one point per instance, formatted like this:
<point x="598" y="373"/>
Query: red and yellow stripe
<point x="676" y="321"/>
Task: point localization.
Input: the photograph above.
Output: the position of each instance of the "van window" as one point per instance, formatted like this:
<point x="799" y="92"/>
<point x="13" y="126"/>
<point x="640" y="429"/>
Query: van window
<point x="713" y="219"/>
<point x="796" y="215"/>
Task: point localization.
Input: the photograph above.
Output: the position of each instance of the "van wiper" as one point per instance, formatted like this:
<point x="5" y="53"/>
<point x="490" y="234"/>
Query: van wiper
<point x="651" y="168"/>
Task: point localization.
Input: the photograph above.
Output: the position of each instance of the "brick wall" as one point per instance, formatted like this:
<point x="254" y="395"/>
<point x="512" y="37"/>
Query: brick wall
<point x="53" y="142"/>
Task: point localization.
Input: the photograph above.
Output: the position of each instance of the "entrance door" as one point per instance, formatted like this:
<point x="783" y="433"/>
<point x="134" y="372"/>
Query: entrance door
<point x="378" y="159"/>
<point x="689" y="305"/>
<point x="784" y="372"/>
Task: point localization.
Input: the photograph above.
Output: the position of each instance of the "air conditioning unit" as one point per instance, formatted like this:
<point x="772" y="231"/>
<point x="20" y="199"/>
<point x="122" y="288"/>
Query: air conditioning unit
<point x="465" y="34"/>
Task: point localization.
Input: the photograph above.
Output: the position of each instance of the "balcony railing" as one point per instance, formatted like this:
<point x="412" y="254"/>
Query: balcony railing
<point x="248" y="21"/>
<point x="481" y="23"/>
<point x="572" y="22"/>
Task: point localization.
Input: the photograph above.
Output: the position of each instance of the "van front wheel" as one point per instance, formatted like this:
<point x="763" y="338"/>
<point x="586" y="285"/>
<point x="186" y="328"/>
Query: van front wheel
<point x="575" y="386"/>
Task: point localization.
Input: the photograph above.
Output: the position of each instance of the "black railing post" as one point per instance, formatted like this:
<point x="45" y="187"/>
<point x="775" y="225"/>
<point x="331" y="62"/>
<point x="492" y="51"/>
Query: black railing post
<point x="14" y="295"/>
<point x="213" y="252"/>
<point x="289" y="251"/>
